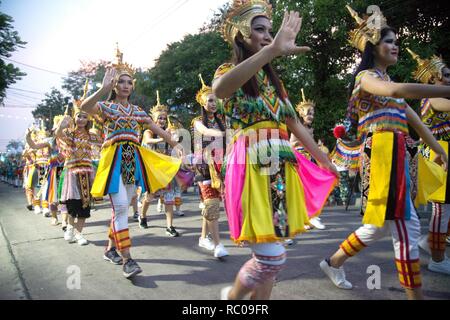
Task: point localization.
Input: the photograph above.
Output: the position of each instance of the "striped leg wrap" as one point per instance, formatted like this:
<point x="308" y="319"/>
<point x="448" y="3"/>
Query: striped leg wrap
<point x="257" y="270"/>
<point x="121" y="238"/>
<point x="353" y="245"/>
<point x="409" y="273"/>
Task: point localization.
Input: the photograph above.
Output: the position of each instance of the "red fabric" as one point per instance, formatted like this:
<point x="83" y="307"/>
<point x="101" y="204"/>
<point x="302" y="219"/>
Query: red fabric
<point x="339" y="132"/>
<point x="400" y="192"/>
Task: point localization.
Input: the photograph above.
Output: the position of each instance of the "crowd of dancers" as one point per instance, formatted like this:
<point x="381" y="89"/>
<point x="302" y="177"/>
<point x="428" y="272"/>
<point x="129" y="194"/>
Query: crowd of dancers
<point x="255" y="152"/>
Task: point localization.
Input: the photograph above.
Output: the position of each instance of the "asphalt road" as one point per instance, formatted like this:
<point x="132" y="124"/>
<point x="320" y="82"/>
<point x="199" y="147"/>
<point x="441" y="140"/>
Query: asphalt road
<point x="36" y="263"/>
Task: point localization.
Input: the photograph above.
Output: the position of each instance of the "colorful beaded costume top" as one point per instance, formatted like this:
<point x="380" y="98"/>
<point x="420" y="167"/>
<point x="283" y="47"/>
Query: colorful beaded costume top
<point x="243" y="111"/>
<point x="372" y="113"/>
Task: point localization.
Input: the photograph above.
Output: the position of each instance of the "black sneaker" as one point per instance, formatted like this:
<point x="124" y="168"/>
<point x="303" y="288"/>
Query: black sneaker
<point x="131" y="268"/>
<point x="172" y="232"/>
<point x="113" y="257"/>
<point x="143" y="223"/>
<point x="136" y="216"/>
<point x="30" y="207"/>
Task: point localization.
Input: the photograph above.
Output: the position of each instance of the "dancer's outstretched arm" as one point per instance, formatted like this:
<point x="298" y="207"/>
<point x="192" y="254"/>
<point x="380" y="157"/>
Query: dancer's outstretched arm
<point x="379" y="87"/>
<point x="282" y="45"/>
<point x="427" y="137"/>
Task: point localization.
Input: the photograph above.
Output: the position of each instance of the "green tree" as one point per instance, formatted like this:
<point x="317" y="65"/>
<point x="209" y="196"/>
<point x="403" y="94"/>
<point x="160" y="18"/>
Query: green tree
<point x="326" y="71"/>
<point x="15" y="147"/>
<point x="216" y="21"/>
<point x="53" y="105"/>
<point x="93" y="71"/>
<point x="9" y="42"/>
<point x="176" y="71"/>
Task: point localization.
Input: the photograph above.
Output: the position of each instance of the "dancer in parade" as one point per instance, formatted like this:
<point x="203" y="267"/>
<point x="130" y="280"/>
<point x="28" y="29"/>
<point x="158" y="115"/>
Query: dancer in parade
<point x="345" y="157"/>
<point x="306" y="111"/>
<point x="388" y="164"/>
<point x="39" y="143"/>
<point x="76" y="144"/>
<point x="53" y="162"/>
<point x="124" y="164"/>
<point x="209" y="152"/>
<point x="267" y="196"/>
<point x="435" y="113"/>
<point x="29" y="157"/>
<point x="153" y="141"/>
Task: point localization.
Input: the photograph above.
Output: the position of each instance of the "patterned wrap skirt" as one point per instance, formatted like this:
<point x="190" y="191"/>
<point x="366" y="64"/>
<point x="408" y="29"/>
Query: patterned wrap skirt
<point x="135" y="165"/>
<point x="269" y="202"/>
<point x="389" y="166"/>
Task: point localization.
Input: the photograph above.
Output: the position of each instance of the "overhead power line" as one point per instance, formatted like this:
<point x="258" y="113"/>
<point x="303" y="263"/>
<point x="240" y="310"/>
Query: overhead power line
<point x="27" y="91"/>
<point x="34" y="67"/>
<point x="174" y="8"/>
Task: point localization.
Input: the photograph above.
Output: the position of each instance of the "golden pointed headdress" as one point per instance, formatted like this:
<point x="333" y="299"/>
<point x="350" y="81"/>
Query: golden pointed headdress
<point x="202" y="94"/>
<point x="156" y="110"/>
<point x="305" y="103"/>
<point x="240" y="16"/>
<point x="56" y="121"/>
<point x="42" y="133"/>
<point x="77" y="103"/>
<point x="121" y="67"/>
<point x="427" y="69"/>
<point x="366" y="32"/>
<point x="33" y="132"/>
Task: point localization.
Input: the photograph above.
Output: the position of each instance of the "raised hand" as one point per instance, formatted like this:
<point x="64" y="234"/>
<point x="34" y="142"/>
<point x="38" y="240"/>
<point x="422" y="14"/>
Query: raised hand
<point x="66" y="122"/>
<point x="109" y="79"/>
<point x="284" y="42"/>
<point x="442" y="160"/>
<point x="29" y="132"/>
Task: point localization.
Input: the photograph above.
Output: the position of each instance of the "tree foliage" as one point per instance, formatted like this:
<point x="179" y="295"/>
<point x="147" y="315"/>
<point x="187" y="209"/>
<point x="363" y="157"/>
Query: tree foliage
<point x="15" y="146"/>
<point x="175" y="73"/>
<point x="53" y="105"/>
<point x="326" y="71"/>
<point x="9" y="42"/>
<point x="92" y="71"/>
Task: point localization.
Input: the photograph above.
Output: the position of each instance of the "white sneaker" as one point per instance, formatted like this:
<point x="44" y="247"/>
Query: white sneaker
<point x="317" y="224"/>
<point x="424" y="245"/>
<point x="54" y="222"/>
<point x="206" y="243"/>
<point x="179" y="213"/>
<point x="201" y="205"/>
<point x="69" y="235"/>
<point x="224" y="293"/>
<point x="80" y="240"/>
<point x="337" y="276"/>
<point x="289" y="242"/>
<point x="37" y="210"/>
<point x="440" y="267"/>
<point x="220" y="251"/>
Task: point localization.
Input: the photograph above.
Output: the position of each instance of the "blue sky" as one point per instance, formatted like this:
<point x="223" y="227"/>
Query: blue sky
<point x="60" y="34"/>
